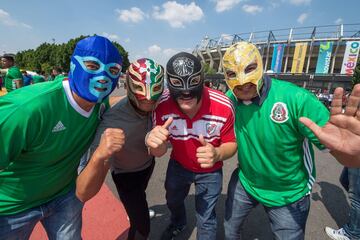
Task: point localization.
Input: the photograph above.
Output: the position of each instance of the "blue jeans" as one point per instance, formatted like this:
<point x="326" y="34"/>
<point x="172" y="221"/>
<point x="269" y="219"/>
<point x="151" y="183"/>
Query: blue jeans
<point x="207" y="191"/>
<point x="287" y="222"/>
<point x="60" y="217"/>
<point x="352" y="228"/>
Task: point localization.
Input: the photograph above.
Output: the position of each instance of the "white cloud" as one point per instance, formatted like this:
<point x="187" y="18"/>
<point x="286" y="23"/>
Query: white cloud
<point x="301" y="19"/>
<point x="7" y="20"/>
<point x="112" y="37"/>
<point x="177" y="15"/>
<point x="160" y="55"/>
<point x="134" y="15"/>
<point x="339" y="21"/>
<point x="300" y="2"/>
<point x="154" y="49"/>
<point x="252" y="9"/>
<point x="127" y="40"/>
<point x="223" y="5"/>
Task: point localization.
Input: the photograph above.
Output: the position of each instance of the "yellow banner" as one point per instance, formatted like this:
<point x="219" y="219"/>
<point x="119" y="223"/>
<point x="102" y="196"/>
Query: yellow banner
<point x="299" y="58"/>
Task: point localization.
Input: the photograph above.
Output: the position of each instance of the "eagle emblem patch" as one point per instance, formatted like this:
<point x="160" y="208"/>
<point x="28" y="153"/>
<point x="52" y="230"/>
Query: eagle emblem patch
<point x="279" y="112"/>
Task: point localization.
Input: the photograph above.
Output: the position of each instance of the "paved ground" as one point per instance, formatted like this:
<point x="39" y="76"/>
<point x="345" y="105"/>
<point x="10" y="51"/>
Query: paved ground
<point x="329" y="206"/>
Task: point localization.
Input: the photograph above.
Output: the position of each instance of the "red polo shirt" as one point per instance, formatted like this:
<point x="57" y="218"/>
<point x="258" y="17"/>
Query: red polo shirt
<point x="214" y="120"/>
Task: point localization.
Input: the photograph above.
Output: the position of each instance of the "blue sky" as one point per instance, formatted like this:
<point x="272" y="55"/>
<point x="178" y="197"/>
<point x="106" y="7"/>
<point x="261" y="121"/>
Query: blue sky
<point x="159" y="29"/>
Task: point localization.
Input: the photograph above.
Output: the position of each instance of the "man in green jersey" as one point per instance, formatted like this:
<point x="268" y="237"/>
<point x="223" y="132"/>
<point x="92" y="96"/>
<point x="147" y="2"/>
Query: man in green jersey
<point x="13" y="78"/>
<point x="276" y="167"/>
<point x="45" y="129"/>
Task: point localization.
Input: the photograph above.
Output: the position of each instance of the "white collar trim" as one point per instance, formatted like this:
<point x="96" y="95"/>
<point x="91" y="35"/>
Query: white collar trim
<point x="72" y="101"/>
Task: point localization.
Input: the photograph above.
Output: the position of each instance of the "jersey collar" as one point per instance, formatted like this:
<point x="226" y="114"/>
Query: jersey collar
<point x="263" y="92"/>
<point x="72" y="101"/>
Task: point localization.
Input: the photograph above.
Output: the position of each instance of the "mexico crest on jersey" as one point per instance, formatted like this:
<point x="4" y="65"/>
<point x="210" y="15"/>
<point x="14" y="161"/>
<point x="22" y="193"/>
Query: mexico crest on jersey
<point x="279" y="112"/>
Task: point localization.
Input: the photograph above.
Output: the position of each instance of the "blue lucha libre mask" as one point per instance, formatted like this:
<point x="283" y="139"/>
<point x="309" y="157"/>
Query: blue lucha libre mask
<point x="95" y="68"/>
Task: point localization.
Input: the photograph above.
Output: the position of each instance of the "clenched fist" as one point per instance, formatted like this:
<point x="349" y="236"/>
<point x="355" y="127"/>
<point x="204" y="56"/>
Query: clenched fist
<point x="112" y="141"/>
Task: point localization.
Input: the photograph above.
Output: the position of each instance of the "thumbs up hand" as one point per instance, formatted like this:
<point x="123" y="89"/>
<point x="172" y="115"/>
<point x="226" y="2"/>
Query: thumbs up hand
<point x="206" y="154"/>
<point x="158" y="135"/>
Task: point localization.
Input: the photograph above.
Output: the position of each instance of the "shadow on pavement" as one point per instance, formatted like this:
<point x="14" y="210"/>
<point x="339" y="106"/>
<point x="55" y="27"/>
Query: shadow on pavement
<point x="256" y="225"/>
<point x="334" y="200"/>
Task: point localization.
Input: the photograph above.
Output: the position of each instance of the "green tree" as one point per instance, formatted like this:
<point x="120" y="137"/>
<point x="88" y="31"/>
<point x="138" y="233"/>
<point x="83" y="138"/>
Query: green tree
<point x="46" y="56"/>
<point x="208" y="70"/>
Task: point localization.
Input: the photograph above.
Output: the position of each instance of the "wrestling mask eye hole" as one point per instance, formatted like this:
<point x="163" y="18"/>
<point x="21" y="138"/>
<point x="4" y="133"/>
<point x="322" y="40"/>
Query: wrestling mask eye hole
<point x="195" y="81"/>
<point x="230" y="74"/>
<point x="175" y="82"/>
<point x="250" y="68"/>
<point x="156" y="88"/>
<point x="114" y="70"/>
<point x="91" y="65"/>
<point x="137" y="88"/>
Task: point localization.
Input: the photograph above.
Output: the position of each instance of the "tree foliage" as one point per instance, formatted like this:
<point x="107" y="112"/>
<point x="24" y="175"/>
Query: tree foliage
<point x="356" y="76"/>
<point x="208" y="70"/>
<point x="47" y="55"/>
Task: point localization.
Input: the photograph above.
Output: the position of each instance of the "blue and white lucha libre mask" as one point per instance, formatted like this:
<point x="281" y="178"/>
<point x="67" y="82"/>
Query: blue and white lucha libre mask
<point x="95" y="68"/>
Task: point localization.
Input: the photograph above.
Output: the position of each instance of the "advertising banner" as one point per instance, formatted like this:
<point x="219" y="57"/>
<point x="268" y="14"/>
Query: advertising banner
<point x="324" y="57"/>
<point x="299" y="58"/>
<point x="350" y="57"/>
<point x="277" y="57"/>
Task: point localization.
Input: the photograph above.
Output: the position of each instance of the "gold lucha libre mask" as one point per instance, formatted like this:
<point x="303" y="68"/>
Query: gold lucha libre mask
<point x="242" y="63"/>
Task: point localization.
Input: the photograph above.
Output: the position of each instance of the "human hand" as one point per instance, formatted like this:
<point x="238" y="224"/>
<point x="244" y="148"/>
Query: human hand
<point x="206" y="154"/>
<point x="158" y="135"/>
<point x="341" y="134"/>
<point x="112" y="141"/>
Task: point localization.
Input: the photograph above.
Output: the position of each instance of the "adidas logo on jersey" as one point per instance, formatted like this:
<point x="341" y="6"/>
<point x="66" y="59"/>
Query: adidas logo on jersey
<point x="59" y="127"/>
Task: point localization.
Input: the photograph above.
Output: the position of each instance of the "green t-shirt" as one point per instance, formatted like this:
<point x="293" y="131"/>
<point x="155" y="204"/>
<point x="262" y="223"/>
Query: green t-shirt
<point x="13" y="74"/>
<point x="275" y="154"/>
<point x="37" y="79"/>
<point x="44" y="133"/>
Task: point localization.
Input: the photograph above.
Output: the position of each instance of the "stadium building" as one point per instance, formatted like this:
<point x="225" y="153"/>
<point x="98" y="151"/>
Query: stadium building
<point x="321" y="57"/>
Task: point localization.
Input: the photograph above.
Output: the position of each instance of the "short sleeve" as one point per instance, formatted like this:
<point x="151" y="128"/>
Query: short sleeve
<point x="313" y="109"/>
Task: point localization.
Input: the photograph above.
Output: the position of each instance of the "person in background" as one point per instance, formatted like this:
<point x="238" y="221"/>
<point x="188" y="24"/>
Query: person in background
<point x="13" y="77"/>
<point x="38" y="78"/>
<point x="27" y="78"/>
<point x="56" y="73"/>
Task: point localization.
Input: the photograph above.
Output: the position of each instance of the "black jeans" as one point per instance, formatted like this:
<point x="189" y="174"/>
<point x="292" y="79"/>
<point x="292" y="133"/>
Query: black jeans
<point x="131" y="189"/>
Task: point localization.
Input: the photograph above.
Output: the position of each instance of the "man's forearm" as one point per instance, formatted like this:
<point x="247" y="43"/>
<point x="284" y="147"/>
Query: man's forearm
<point x="91" y="178"/>
<point x="226" y="150"/>
<point x="158" y="152"/>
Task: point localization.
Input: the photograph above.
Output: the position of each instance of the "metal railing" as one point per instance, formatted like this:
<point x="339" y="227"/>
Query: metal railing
<point x="315" y="33"/>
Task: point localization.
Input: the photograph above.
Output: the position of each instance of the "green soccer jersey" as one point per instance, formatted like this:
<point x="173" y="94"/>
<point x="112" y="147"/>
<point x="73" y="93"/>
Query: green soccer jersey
<point x="37" y="79"/>
<point x="13" y="74"/>
<point x="275" y="154"/>
<point x="44" y="133"/>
